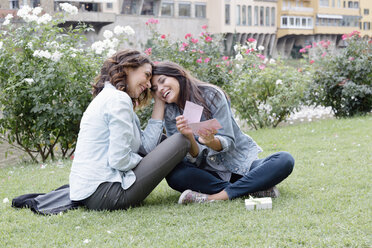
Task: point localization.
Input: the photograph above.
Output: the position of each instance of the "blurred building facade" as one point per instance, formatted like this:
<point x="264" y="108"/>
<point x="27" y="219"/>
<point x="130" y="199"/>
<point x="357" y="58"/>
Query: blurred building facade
<point x="281" y="26"/>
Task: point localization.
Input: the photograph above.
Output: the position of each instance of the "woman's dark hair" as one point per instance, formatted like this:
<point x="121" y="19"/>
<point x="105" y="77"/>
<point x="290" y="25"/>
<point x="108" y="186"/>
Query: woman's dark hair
<point x="113" y="71"/>
<point x="190" y="87"/>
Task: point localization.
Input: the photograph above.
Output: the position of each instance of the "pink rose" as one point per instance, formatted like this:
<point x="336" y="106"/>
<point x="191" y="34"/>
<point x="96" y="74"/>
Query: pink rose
<point x="308" y="46"/>
<point x="206" y="60"/>
<point x="199" y="60"/>
<point x="148" y="51"/>
<point x="204" y="27"/>
<point x="194" y="40"/>
<point x="225" y="58"/>
<point x="163" y="36"/>
<point x="187" y="35"/>
<point x="251" y="40"/>
<point x="302" y="50"/>
<point x="208" y="39"/>
<point x="312" y="62"/>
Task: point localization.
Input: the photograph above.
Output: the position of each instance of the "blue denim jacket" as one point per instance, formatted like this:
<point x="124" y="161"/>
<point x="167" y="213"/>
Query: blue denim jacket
<point x="108" y="144"/>
<point x="238" y="149"/>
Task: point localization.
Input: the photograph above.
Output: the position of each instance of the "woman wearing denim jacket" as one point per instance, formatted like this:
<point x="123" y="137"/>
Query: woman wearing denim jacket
<point x="220" y="165"/>
<point x="108" y="171"/>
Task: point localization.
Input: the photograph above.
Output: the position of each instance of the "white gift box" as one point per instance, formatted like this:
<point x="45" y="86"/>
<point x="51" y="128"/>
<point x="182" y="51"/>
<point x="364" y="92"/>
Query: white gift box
<point x="258" y="203"/>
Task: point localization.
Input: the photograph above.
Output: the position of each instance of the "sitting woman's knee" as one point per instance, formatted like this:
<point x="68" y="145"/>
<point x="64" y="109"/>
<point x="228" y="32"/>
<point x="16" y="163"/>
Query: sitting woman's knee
<point x="287" y="161"/>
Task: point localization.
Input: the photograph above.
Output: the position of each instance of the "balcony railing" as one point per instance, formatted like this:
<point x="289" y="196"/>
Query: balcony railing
<point x="299" y="9"/>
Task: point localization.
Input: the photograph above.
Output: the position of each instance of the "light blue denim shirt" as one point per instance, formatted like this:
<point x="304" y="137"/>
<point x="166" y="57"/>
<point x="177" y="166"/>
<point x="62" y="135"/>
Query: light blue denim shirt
<point x="108" y="143"/>
<point x="238" y="149"/>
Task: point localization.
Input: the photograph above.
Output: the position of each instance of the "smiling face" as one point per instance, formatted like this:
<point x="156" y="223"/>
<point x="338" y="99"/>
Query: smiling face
<point x="138" y="80"/>
<point x="166" y="88"/>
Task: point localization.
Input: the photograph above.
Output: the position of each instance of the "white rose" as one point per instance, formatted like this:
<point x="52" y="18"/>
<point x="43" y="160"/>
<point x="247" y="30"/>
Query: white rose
<point x="261" y="48"/>
<point x="128" y="30"/>
<point x="56" y="56"/>
<point x="238" y="57"/>
<point x="1" y="45"/>
<point x="278" y="82"/>
<point x="8" y="16"/>
<point x="235" y="48"/>
<point x="44" y="19"/>
<point x="119" y="30"/>
<point x="107" y="34"/>
<point x="24" y="11"/>
<point x="6" y="22"/>
<point x="68" y="8"/>
<point x="37" y="10"/>
<point x="29" y="80"/>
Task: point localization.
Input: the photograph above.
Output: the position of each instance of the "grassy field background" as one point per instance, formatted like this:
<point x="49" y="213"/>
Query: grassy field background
<point x="326" y="202"/>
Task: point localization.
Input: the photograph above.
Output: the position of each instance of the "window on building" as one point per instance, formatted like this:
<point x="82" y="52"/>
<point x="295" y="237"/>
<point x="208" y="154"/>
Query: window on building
<point x="284" y="21"/>
<point x="309" y="22"/>
<point x="262" y="15"/>
<point x="267" y="16"/>
<point x="298" y="22"/>
<point x="200" y="10"/>
<point x="14" y="4"/>
<point x="367" y="26"/>
<point x="148" y="7"/>
<point x="323" y="3"/>
<point x="129" y="7"/>
<point x="109" y="5"/>
<point x="291" y="21"/>
<point x="350" y="4"/>
<point x="184" y="9"/>
<point x="244" y="15"/>
<point x="356" y="5"/>
<point x="256" y="15"/>
<point x="303" y="22"/>
<point x="366" y="12"/>
<point x="238" y="15"/>
<point x="339" y="3"/>
<point x="35" y="3"/>
<point x="249" y="15"/>
<point x="167" y="9"/>
<point x="273" y="16"/>
<point x="227" y="14"/>
<point x="333" y="3"/>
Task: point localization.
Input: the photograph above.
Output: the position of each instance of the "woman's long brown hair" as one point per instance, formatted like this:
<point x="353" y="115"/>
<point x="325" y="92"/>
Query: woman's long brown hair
<point x="113" y="71"/>
<point x="190" y="87"/>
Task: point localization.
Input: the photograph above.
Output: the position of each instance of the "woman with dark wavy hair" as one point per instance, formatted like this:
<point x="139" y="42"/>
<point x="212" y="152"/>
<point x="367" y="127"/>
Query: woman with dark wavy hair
<point x="221" y="164"/>
<point x="108" y="171"/>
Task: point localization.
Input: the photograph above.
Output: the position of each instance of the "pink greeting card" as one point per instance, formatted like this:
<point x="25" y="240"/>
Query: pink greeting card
<point x="209" y="124"/>
<point x="192" y="112"/>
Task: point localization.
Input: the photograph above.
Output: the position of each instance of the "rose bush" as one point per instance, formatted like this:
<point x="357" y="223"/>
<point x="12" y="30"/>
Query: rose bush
<point x="264" y="91"/>
<point x="45" y="80"/>
<point x="342" y="79"/>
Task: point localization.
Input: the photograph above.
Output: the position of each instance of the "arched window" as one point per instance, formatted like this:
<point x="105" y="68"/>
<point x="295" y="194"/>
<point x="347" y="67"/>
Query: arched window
<point x="244" y="15"/>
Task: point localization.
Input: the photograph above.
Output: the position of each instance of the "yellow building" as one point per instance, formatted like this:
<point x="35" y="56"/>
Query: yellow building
<point x="366" y="13"/>
<point x="243" y="19"/>
<point x="302" y="22"/>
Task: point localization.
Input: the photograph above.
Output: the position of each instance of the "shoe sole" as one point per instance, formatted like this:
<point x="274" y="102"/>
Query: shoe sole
<point x="183" y="195"/>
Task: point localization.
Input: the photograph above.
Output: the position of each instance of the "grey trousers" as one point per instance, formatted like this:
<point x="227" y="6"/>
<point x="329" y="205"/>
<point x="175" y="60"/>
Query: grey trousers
<point x="149" y="173"/>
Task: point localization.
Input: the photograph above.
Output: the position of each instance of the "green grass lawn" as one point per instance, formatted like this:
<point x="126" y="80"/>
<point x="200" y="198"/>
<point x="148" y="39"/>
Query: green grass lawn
<point x="326" y="202"/>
